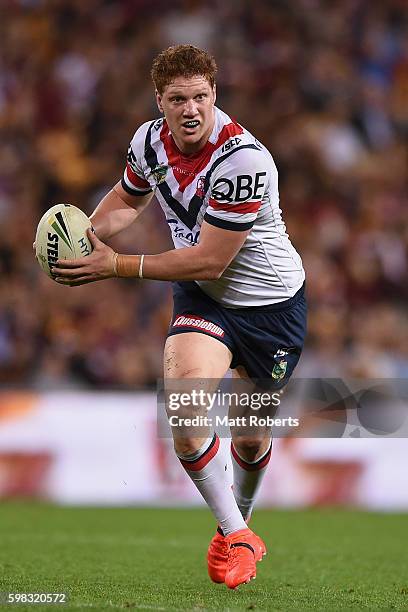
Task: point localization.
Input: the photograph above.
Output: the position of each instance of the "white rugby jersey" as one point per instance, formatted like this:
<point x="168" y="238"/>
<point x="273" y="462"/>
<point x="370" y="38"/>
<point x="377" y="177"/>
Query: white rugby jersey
<point x="231" y="183"/>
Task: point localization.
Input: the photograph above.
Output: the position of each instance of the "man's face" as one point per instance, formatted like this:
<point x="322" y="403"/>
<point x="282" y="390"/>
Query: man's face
<point x="188" y="105"/>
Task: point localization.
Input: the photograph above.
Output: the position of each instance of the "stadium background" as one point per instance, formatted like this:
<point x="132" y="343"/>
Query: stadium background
<point x="324" y="85"/>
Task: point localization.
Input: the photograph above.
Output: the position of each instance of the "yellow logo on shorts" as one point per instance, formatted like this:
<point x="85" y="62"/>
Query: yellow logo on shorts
<point x="279" y="369"/>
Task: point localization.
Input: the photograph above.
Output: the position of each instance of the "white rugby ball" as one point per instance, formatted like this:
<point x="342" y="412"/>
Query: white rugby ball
<point x="61" y="234"/>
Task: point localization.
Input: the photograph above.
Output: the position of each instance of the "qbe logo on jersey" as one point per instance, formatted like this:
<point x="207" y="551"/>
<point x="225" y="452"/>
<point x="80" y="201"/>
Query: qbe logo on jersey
<point x="242" y="188"/>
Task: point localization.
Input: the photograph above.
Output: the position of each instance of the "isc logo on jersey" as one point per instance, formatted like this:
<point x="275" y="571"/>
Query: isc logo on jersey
<point x="242" y="188"/>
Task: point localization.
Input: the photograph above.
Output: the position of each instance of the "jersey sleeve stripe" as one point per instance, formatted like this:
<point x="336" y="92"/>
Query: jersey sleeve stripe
<point x="132" y="190"/>
<point x="244" y="208"/>
<point x="229" y="225"/>
<point x="135" y="181"/>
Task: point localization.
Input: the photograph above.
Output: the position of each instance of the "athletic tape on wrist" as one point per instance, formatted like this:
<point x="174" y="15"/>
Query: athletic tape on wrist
<point x="129" y="266"/>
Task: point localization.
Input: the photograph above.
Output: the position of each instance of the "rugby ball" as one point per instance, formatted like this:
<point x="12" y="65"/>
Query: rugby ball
<point x="61" y="234"/>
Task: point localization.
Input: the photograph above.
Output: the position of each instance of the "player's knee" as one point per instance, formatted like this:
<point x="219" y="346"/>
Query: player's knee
<point x="187" y="446"/>
<point x="249" y="447"/>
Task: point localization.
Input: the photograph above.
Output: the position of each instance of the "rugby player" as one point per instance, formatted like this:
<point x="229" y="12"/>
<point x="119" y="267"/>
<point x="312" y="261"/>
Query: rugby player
<point x="238" y="282"/>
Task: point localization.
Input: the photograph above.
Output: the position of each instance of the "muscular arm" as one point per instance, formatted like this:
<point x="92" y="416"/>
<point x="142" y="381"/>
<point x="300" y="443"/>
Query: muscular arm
<point x="205" y="261"/>
<point x="116" y="211"/>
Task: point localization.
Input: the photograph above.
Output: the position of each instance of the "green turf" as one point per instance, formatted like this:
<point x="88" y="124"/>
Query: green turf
<point x="155" y="559"/>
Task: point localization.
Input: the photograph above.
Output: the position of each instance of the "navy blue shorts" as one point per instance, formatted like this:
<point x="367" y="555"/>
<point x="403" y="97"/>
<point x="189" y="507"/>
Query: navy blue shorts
<point x="266" y="340"/>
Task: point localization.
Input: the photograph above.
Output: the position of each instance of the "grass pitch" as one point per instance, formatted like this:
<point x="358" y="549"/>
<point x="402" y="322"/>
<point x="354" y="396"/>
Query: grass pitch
<point x="154" y="559"/>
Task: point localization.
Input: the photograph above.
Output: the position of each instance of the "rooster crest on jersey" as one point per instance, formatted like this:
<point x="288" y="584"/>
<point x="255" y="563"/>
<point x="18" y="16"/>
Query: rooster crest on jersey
<point x="159" y="172"/>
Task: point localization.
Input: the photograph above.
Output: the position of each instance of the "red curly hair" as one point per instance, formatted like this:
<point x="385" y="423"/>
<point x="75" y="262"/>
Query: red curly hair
<point x="184" y="61"/>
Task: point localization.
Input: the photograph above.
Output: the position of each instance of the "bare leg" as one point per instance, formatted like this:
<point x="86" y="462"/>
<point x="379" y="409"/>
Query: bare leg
<point x="202" y="360"/>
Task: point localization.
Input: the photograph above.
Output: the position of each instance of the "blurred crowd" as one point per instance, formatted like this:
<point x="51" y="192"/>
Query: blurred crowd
<point x="322" y="83"/>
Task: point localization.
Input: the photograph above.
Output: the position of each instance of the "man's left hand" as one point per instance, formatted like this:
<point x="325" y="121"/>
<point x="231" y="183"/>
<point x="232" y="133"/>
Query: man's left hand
<point x="100" y="264"/>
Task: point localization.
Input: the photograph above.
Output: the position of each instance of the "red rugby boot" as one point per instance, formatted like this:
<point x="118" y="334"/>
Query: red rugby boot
<point x="241" y="562"/>
<point x="217" y="555"/>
